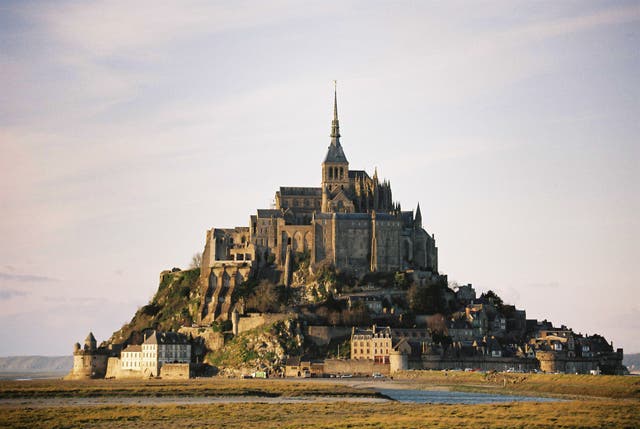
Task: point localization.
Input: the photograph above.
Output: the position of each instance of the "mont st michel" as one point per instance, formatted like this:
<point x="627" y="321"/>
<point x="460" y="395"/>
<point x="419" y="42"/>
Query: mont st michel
<point x="202" y="228"/>
<point x="333" y="280"/>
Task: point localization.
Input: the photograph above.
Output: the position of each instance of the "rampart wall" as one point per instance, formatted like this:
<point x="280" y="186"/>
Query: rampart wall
<point x="255" y="320"/>
<point x="361" y="367"/>
<point x="176" y="371"/>
<point x="322" y="335"/>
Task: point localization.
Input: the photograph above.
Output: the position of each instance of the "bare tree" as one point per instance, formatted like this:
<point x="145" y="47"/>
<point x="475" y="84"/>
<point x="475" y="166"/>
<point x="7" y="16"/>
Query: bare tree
<point x="196" y="261"/>
<point x="264" y="298"/>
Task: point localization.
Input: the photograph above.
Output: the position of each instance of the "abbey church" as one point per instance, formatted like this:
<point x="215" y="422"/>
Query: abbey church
<point x="350" y="220"/>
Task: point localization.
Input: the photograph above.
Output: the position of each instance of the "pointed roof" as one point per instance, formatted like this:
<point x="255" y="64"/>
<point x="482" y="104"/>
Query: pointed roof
<point x="335" y="124"/>
<point x="335" y="152"/>
<point x="418" y="217"/>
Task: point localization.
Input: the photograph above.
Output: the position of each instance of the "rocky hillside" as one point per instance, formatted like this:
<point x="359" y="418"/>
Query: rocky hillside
<point x="175" y="304"/>
<point x="263" y="348"/>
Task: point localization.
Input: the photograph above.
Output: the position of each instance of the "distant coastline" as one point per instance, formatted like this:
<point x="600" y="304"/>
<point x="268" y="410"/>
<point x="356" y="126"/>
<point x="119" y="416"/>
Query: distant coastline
<point x="34" y="367"/>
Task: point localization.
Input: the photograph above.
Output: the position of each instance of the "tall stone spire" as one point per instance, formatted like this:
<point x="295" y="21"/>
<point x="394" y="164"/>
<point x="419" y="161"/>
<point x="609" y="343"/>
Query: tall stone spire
<point x="417" y="221"/>
<point x="335" y="153"/>
<point x="335" y="124"/>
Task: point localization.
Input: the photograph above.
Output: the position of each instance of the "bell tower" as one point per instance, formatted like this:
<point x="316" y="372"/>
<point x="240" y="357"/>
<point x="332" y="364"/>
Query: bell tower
<point x="335" y="167"/>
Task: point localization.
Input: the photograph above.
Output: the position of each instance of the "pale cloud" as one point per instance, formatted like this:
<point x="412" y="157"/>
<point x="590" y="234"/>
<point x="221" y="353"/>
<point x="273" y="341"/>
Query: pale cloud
<point x="6" y="293"/>
<point x="576" y="24"/>
<point x="142" y="28"/>
<point x="25" y="278"/>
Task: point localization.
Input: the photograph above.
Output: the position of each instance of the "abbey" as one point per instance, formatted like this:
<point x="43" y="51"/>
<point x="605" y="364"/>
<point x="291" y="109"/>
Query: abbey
<point x="350" y="221"/>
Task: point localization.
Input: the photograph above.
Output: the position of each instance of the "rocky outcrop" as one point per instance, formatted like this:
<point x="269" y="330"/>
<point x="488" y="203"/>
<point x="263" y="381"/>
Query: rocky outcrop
<point x="263" y="349"/>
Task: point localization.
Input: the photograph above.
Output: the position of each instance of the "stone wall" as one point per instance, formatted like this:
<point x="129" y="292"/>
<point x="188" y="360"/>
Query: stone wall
<point x="551" y="362"/>
<point x="322" y="335"/>
<point x="176" y="371"/>
<point x="353" y="242"/>
<point x="484" y="363"/>
<point x="113" y="367"/>
<point x="88" y="364"/>
<point x="217" y="283"/>
<point x="255" y="320"/>
<point x="212" y="340"/>
<point x="114" y="370"/>
<point x="398" y="362"/>
<point x="362" y="367"/>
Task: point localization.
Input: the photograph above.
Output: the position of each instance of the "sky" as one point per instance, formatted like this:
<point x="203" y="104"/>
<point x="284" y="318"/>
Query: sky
<point x="127" y="129"/>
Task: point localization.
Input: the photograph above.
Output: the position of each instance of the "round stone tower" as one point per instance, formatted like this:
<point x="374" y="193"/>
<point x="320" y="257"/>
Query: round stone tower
<point x="398" y="361"/>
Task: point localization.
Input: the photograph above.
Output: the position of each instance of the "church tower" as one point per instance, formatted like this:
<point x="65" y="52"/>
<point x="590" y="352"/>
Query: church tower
<point x="335" y="168"/>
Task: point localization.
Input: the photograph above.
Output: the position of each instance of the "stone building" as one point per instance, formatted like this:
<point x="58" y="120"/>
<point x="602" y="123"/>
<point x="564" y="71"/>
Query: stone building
<point x="89" y="361"/>
<point x="163" y="347"/>
<point x="378" y="343"/>
<point x="131" y="358"/>
<point x="371" y="344"/>
<point x="350" y="220"/>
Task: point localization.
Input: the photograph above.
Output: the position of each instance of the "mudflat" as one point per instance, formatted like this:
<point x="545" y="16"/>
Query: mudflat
<point x="329" y="403"/>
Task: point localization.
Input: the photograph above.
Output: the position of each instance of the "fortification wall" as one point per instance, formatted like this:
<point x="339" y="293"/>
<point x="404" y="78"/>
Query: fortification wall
<point x="360" y="367"/>
<point x="115" y="370"/>
<point x="176" y="371"/>
<point x="113" y="367"/>
<point x="88" y="365"/>
<point x="398" y="362"/>
<point x="559" y="362"/>
<point x="322" y="335"/>
<point x="255" y="320"/>
<point x="212" y="340"/>
<point x="484" y="363"/>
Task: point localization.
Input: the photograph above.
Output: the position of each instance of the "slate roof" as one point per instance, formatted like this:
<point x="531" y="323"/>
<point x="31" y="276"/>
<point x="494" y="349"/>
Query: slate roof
<point x="264" y="213"/>
<point x="133" y="349"/>
<point x="292" y="190"/>
<point x="335" y="153"/>
<point x="356" y="174"/>
<point x="166" y="338"/>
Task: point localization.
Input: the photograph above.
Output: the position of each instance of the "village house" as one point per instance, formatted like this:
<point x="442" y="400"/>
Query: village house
<point x="131" y="358"/>
<point x="159" y="348"/>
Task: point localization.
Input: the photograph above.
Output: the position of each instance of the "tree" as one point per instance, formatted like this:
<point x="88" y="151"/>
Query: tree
<point x="427" y="299"/>
<point x="437" y="323"/>
<point x="264" y="298"/>
<point x="196" y="261"/>
<point x="493" y="298"/>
